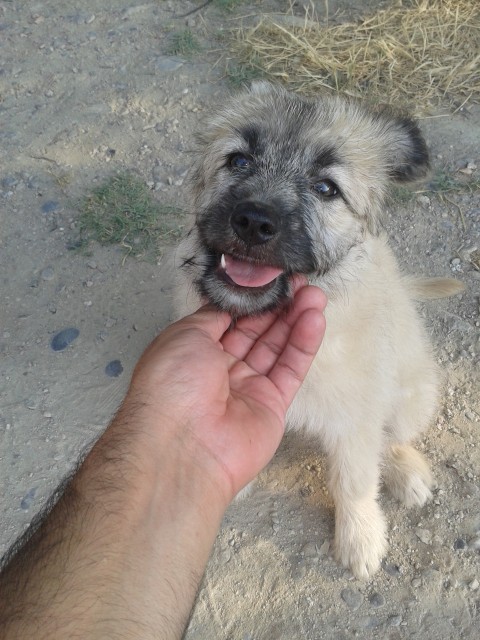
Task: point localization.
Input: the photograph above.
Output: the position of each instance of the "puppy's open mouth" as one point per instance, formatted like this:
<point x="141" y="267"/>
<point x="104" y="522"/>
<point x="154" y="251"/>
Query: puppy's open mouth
<point x="243" y="285"/>
<point x="246" y="273"/>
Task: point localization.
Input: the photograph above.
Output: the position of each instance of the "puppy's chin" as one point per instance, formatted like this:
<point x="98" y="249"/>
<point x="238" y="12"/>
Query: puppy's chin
<point x="245" y="301"/>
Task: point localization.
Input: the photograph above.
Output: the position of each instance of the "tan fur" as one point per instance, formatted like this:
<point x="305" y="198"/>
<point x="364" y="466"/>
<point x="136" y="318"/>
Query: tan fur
<point x="374" y="385"/>
<point x="434" y="288"/>
<point x="359" y="411"/>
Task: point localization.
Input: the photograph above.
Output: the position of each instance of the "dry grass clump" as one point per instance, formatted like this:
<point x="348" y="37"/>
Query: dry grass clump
<point x="421" y="53"/>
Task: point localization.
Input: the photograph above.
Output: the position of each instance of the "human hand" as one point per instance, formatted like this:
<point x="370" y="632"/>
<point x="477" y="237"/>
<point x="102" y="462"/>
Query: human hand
<point x="204" y="413"/>
<point x="222" y="394"/>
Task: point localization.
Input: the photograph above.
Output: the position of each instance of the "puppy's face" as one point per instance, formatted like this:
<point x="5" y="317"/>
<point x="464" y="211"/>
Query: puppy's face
<point x="284" y="185"/>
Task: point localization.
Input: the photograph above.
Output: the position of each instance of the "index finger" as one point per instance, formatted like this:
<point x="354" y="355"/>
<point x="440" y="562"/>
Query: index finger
<point x="265" y="353"/>
<point x="244" y="335"/>
<point x="291" y="367"/>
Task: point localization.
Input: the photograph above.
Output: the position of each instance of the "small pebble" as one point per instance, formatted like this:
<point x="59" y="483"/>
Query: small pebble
<point x="367" y="622"/>
<point x="28" y="499"/>
<point x="474" y="544"/>
<point x="424" y="201"/>
<point x="394" y="621"/>
<point x="168" y="65"/>
<point x="33" y="402"/>
<point x="392" y="569"/>
<point x="33" y="183"/>
<point x="299" y="571"/>
<point x="50" y="206"/>
<point x="376" y="600"/>
<point x="431" y="575"/>
<point x="416" y="582"/>
<point x="224" y="555"/>
<point x="72" y="245"/>
<point x="309" y="550"/>
<point x="64" y="338"/>
<point x="9" y="182"/>
<point x="352" y="598"/>
<point x="47" y="274"/>
<point x="114" y="369"/>
<point x="424" y="535"/>
<point x="459" y="544"/>
<point x="324" y="548"/>
<point x="474" y="584"/>
<point x="130" y="11"/>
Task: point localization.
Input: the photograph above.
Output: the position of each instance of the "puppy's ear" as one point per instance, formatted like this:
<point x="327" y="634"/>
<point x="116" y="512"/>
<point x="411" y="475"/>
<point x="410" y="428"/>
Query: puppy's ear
<point x="407" y="154"/>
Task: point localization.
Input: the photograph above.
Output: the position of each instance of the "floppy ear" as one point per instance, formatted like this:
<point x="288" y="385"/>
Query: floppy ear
<point x="406" y="152"/>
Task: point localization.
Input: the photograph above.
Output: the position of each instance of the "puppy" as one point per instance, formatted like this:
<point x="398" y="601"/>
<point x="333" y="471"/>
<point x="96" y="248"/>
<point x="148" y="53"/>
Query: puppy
<point x="284" y="185"/>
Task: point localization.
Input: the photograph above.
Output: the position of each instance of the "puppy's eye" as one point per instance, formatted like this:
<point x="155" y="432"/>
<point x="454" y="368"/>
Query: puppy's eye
<point x="326" y="188"/>
<point x="239" y="161"/>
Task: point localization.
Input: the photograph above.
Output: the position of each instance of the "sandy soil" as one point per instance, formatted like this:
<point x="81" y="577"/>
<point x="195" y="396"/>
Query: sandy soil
<point x="76" y="83"/>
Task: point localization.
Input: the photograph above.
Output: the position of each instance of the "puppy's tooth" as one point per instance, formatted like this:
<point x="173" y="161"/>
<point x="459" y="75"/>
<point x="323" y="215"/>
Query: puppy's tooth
<point x="223" y="264"/>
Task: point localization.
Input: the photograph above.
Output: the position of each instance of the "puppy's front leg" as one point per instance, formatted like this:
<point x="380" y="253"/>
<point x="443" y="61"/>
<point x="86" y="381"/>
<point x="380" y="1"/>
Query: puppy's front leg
<point x="360" y="528"/>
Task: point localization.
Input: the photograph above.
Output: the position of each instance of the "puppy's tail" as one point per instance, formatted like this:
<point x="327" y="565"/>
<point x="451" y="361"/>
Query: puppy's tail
<point x="434" y="288"/>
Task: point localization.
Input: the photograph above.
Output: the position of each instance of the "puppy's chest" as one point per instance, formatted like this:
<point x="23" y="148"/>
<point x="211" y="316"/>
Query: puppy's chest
<point x="352" y="378"/>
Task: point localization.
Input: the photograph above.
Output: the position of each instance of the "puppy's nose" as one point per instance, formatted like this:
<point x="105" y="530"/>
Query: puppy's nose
<point x="254" y="223"/>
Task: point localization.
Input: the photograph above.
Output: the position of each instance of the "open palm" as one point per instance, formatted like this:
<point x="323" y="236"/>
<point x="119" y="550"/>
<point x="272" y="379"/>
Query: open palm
<point x="228" y="389"/>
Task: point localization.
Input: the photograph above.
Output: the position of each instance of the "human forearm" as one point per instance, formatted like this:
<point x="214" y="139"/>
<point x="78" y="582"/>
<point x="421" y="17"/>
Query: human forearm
<point x="75" y="579"/>
<point x="123" y="552"/>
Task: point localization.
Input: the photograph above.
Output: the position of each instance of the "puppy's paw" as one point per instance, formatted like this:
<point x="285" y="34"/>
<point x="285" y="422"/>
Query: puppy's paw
<point x="360" y="539"/>
<point x="408" y="476"/>
<point x="416" y="491"/>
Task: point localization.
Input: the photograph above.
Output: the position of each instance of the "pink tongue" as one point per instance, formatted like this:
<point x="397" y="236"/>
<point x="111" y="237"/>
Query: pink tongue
<point x="246" y="274"/>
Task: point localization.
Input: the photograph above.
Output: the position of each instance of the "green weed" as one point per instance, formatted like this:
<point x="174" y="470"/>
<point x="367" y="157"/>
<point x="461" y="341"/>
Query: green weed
<point x="227" y="5"/>
<point x="439" y="186"/>
<point x="443" y="181"/>
<point x="241" y="75"/>
<point x="400" y="194"/>
<point x="123" y="211"/>
<point x="184" y="43"/>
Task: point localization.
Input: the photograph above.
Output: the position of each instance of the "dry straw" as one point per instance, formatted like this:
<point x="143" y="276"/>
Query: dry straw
<point x="421" y="53"/>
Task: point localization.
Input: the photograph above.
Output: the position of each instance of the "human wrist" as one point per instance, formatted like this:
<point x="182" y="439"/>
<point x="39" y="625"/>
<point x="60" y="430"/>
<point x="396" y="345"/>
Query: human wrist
<point x="159" y="438"/>
<point x="140" y="457"/>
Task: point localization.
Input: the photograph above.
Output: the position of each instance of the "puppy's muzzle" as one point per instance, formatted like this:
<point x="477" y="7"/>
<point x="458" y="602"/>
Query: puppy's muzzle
<point x="254" y="223"/>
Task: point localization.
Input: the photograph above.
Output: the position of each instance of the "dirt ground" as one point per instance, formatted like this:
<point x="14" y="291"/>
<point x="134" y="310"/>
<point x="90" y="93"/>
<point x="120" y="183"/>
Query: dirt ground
<point x="87" y="91"/>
